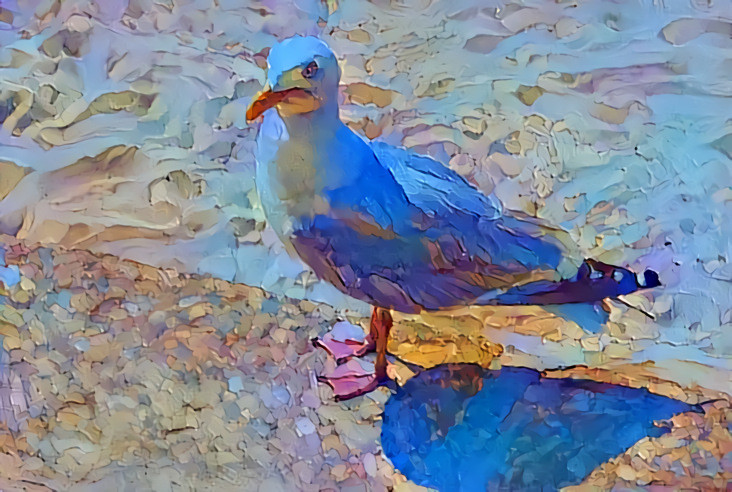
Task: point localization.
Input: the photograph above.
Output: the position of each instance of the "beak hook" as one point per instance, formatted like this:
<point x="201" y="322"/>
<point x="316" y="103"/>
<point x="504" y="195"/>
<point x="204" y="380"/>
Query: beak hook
<point x="262" y="102"/>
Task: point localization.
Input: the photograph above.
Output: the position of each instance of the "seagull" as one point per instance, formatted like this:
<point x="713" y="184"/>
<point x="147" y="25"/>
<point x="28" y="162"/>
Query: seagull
<point x="396" y="229"/>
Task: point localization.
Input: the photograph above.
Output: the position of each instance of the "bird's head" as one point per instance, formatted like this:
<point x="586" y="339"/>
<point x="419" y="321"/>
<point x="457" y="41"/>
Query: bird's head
<point x="302" y="76"/>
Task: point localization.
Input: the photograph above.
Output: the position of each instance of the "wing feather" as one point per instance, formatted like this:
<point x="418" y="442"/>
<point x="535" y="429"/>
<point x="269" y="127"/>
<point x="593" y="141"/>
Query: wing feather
<point x="477" y="221"/>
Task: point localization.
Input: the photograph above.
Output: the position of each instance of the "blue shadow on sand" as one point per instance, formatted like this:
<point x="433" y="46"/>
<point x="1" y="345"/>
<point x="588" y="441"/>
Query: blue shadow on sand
<point x="460" y="427"/>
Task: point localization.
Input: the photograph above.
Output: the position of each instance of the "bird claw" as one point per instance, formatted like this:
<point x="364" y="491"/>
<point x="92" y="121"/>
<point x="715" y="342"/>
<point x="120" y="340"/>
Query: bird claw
<point x="351" y="380"/>
<point x="343" y="350"/>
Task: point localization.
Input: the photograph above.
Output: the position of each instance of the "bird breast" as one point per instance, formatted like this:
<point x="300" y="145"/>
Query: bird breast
<point x="287" y="177"/>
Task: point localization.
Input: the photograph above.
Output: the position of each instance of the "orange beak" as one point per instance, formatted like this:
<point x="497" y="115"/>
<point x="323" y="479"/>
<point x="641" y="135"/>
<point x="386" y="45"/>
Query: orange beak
<point x="266" y="100"/>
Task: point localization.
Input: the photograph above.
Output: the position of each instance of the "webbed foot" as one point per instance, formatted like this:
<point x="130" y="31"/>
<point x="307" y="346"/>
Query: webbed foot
<point x="352" y="379"/>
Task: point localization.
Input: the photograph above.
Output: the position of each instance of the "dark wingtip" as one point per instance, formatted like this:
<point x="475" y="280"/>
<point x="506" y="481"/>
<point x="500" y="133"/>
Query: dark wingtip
<point x="650" y="279"/>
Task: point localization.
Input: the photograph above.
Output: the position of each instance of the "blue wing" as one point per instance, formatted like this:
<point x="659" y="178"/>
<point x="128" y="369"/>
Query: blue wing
<point x="490" y="237"/>
<point x="405" y="232"/>
<point x="456" y="208"/>
<point x="434" y="188"/>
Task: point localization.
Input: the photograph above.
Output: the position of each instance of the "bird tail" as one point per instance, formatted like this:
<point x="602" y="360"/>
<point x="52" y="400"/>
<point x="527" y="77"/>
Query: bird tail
<point x="594" y="281"/>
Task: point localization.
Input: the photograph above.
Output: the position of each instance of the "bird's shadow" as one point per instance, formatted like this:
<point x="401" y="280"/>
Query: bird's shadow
<point x="462" y="427"/>
<point x="591" y="317"/>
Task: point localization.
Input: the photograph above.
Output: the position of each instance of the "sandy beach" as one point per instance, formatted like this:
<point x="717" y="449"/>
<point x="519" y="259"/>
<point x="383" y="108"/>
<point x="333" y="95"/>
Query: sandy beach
<point x="123" y="376"/>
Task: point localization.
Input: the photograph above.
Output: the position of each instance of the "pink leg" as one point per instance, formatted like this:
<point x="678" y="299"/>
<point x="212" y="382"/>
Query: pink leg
<point x="342" y="350"/>
<point x="351" y="380"/>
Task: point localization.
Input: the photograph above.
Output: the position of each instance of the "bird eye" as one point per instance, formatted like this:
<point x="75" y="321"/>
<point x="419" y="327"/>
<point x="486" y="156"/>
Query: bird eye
<point x="309" y="71"/>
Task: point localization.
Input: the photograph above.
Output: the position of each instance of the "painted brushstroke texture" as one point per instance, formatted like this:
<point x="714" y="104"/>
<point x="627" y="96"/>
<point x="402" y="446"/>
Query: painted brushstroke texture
<point x="608" y="119"/>
<point x="123" y="131"/>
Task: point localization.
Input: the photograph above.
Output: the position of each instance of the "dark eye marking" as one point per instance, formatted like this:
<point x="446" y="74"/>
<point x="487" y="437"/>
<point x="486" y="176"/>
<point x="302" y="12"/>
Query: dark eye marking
<point x="310" y="71"/>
